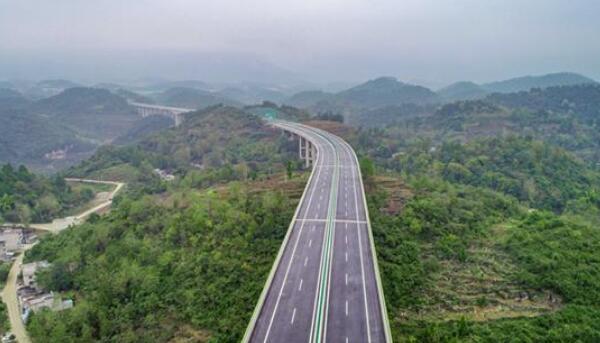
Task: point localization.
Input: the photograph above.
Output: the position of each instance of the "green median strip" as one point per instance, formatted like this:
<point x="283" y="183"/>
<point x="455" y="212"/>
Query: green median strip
<point x="326" y="258"/>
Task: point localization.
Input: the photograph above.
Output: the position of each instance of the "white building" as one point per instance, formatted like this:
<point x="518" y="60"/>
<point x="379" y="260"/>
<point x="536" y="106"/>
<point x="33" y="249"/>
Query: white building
<point x="12" y="238"/>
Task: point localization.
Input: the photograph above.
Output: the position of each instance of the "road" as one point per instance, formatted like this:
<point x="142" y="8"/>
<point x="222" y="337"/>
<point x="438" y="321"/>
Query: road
<point x="9" y="293"/>
<point x="324" y="284"/>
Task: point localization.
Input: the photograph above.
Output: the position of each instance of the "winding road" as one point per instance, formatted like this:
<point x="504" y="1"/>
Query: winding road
<point x="9" y="293"/>
<point x="324" y="285"/>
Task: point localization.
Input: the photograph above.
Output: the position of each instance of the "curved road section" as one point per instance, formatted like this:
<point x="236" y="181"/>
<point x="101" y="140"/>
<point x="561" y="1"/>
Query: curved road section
<point x="324" y="285"/>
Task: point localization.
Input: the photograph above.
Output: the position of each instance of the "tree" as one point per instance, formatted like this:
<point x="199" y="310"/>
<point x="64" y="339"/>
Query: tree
<point x="24" y="214"/>
<point x="6" y="203"/>
<point x="289" y="167"/>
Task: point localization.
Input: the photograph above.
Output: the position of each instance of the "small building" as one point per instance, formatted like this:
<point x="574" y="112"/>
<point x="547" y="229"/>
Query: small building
<point x="12" y="238"/>
<point x="164" y="175"/>
<point x="29" y="270"/>
<point x="39" y="302"/>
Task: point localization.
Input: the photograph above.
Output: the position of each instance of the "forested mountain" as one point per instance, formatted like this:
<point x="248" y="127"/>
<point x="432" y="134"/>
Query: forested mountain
<point x="26" y="197"/>
<point x="191" y="98"/>
<point x="471" y="204"/>
<point x="526" y="83"/>
<point x="464" y="90"/>
<point x="565" y="116"/>
<point x="581" y="101"/>
<point x="194" y="84"/>
<point x="61" y="130"/>
<point x="75" y="101"/>
<point x="30" y="139"/>
<point x="132" y="96"/>
<point x="307" y="99"/>
<point x="10" y="98"/>
<point x="218" y="141"/>
<point x="252" y="94"/>
<point x="47" y="88"/>
<point x="372" y="96"/>
<point x="482" y="240"/>
<point x="186" y="258"/>
<point x="385" y="91"/>
<point x="472" y="91"/>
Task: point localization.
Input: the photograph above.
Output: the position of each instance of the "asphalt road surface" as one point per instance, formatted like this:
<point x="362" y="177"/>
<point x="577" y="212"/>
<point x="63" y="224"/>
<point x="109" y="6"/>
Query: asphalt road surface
<point x="324" y="285"/>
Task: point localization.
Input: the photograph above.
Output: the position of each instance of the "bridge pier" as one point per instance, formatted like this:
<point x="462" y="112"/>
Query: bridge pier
<point x="307" y="151"/>
<point x="302" y="147"/>
<point x="174" y="113"/>
<point x="308" y="154"/>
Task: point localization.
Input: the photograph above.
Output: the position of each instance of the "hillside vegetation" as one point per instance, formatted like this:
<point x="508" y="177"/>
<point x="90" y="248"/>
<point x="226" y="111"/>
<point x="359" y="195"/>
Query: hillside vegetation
<point x="61" y="130"/>
<point x="175" y="260"/>
<point x="27" y="198"/>
<point x="191" y="98"/>
<point x="484" y="235"/>
<point x="215" y="143"/>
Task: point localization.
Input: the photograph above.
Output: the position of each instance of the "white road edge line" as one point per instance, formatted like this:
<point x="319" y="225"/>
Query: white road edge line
<point x="360" y="253"/>
<point x="291" y="260"/>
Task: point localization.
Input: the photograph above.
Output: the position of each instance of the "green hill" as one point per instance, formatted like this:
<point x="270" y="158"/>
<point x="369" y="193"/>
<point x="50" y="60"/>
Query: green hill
<point x="27" y="138"/>
<point x="48" y="88"/>
<point x="580" y="101"/>
<point x="220" y="140"/>
<point x="191" y="98"/>
<point x="96" y="114"/>
<point x="10" y="98"/>
<point x="307" y="99"/>
<point x="192" y="255"/>
<point x="251" y="94"/>
<point x="26" y="197"/>
<point x="464" y="90"/>
<point x="61" y="130"/>
<point x="386" y="91"/>
<point x="526" y="83"/>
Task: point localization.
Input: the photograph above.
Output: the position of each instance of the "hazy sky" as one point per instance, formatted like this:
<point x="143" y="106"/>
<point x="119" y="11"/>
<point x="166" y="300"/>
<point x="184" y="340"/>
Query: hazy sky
<point x="435" y="42"/>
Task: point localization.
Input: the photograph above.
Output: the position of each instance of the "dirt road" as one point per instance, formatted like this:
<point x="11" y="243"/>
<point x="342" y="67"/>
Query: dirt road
<point x="9" y="293"/>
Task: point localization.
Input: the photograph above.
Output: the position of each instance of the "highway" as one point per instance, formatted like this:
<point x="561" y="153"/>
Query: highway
<point x="324" y="285"/>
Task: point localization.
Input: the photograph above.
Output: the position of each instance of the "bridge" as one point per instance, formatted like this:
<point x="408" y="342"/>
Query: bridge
<point x="324" y="284"/>
<point x="146" y="110"/>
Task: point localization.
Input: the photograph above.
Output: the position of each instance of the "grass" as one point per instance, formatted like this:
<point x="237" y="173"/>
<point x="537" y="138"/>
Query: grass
<point x="483" y="287"/>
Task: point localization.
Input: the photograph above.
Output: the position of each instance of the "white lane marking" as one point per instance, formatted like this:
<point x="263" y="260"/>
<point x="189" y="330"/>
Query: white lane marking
<point x="346" y="239"/>
<point x="346" y="339"/>
<point x="319" y="280"/>
<point x="360" y="253"/>
<point x="305" y="261"/>
<point x="346" y="308"/>
<point x="287" y="271"/>
<point x="346" y="256"/>
<point x="310" y="243"/>
<point x="294" y="313"/>
<point x="346" y="279"/>
<point x="300" y="287"/>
